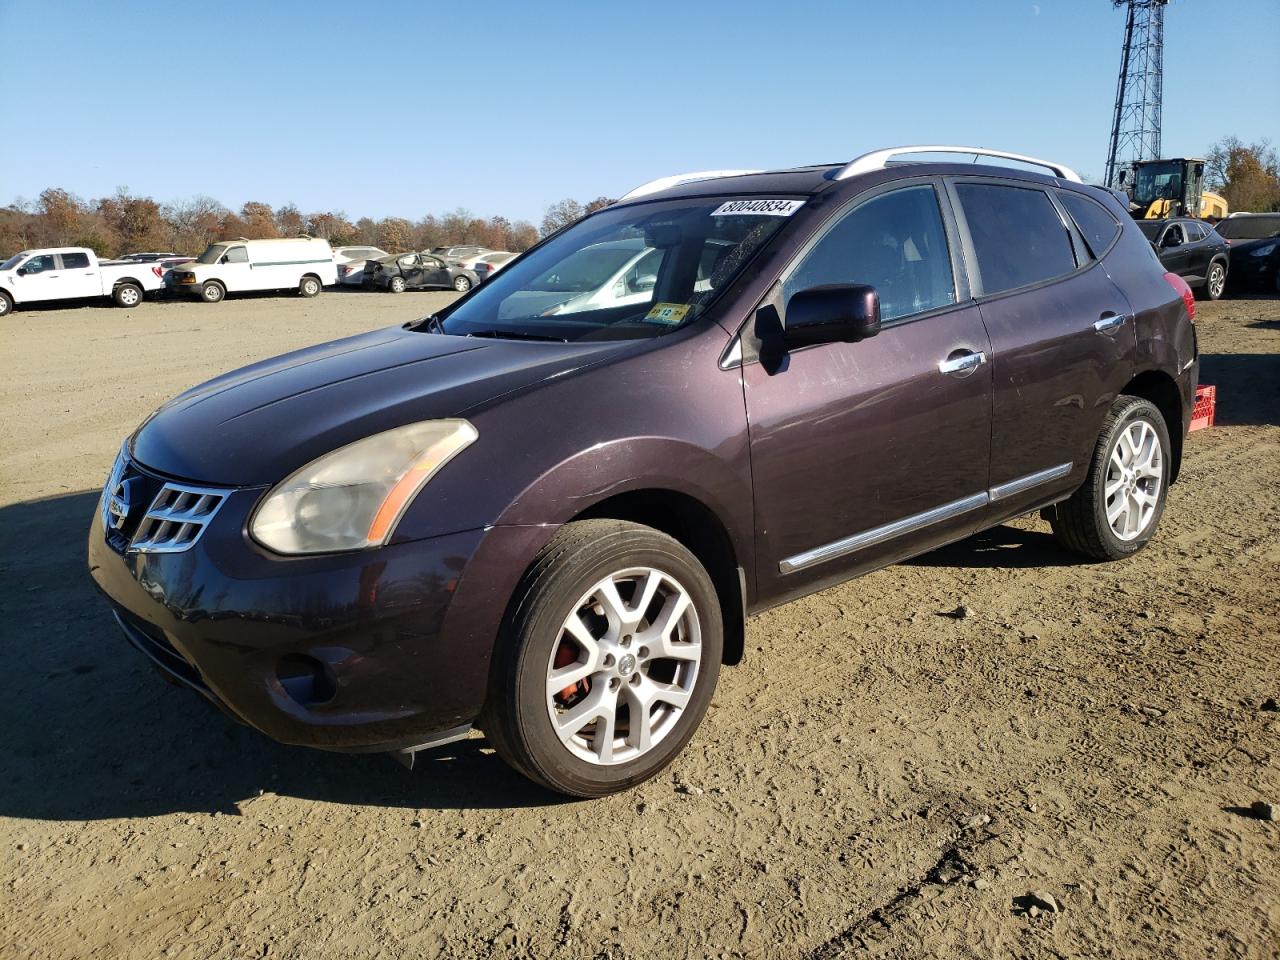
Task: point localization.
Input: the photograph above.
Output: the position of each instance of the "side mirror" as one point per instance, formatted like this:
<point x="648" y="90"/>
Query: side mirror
<point x="22" y="271"/>
<point x="834" y="313"/>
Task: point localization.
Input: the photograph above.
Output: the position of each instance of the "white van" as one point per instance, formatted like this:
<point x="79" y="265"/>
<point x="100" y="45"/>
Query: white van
<point x="233" y="266"/>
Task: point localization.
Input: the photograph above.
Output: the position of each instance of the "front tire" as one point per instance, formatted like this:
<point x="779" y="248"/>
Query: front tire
<point x="6" y="304"/>
<point x="212" y="292"/>
<point x="1115" y="512"/>
<point x="462" y="284"/>
<point x="309" y="287"/>
<point x="608" y="659"/>
<point x="127" y="295"/>
<point x="396" y="285"/>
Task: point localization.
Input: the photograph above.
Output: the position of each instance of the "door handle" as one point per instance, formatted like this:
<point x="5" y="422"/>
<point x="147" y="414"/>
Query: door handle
<point x="963" y="364"/>
<point x="1110" y="323"/>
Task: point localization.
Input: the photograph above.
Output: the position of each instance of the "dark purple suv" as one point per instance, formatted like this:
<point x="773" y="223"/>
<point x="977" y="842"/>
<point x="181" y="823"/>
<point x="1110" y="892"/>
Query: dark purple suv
<point x="548" y="510"/>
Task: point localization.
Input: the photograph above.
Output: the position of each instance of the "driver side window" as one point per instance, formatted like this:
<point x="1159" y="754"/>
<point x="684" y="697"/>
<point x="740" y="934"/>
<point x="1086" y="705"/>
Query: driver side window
<point x="39" y="264"/>
<point x="896" y="243"/>
<point x="236" y="255"/>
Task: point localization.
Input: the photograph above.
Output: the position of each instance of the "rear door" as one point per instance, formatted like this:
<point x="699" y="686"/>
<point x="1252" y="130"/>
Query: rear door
<point x="81" y="278"/>
<point x="862" y="453"/>
<point x="1061" y="333"/>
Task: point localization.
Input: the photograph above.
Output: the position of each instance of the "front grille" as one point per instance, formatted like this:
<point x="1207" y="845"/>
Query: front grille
<point x="176" y="518"/>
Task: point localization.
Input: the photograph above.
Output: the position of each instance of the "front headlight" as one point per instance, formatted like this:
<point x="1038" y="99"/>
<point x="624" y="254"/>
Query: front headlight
<point x="353" y="497"/>
<point x="1263" y="251"/>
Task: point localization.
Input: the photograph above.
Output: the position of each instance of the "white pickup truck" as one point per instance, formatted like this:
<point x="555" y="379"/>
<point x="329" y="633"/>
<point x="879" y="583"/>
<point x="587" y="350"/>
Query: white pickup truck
<point x="70" y="273"/>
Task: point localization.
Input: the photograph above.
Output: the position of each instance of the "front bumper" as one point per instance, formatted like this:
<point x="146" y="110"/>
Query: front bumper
<point x="375" y="650"/>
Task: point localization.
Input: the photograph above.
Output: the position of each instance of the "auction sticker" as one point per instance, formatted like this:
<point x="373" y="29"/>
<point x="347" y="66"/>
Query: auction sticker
<point x="758" y="208"/>
<point x="670" y="314"/>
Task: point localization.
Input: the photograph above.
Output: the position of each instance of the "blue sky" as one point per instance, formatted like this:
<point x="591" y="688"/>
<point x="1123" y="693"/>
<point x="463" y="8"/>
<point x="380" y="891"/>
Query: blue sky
<point x="380" y="108"/>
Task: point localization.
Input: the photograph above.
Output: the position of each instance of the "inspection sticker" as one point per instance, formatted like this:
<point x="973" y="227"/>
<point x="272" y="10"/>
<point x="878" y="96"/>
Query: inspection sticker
<point x="672" y="314"/>
<point x="758" y="208"/>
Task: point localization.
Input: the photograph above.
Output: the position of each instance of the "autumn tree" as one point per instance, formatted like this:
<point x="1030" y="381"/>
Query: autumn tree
<point x="192" y="224"/>
<point x="259" y="221"/>
<point x="395" y="234"/>
<point x="599" y="203"/>
<point x="560" y="215"/>
<point x="134" y="222"/>
<point x="59" y="213"/>
<point x="1247" y="174"/>
<point x="331" y="226"/>
<point x="289" y="221"/>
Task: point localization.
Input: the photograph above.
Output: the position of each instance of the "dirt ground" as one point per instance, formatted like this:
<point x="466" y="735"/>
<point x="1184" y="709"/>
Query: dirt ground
<point x="877" y="778"/>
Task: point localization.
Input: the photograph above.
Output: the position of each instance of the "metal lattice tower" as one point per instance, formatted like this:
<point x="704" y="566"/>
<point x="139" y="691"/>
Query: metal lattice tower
<point x="1135" y="126"/>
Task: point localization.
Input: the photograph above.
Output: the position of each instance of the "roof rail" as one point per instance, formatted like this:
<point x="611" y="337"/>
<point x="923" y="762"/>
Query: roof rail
<point x="662" y="183"/>
<point x="879" y="159"/>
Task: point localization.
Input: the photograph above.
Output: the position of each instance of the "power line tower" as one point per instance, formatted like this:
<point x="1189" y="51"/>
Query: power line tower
<point x="1135" y="125"/>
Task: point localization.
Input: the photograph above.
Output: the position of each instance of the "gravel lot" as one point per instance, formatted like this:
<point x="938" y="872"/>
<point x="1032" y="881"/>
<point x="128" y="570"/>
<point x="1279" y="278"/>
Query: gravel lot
<point x="875" y="777"/>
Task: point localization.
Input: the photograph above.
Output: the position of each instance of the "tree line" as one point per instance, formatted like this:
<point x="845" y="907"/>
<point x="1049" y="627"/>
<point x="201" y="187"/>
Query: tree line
<point x="127" y="223"/>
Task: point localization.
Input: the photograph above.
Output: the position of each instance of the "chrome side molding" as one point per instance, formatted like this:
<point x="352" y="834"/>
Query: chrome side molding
<point x="1006" y="490"/>
<point x="918" y="521"/>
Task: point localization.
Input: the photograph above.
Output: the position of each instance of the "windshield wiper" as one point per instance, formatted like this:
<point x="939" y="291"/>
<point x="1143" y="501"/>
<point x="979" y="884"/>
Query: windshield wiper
<point x="516" y="335"/>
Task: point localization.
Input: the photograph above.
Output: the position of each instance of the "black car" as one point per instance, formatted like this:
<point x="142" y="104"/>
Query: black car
<point x="1193" y="251"/>
<point x="1254" y="239"/>
<point x="400" y="271"/>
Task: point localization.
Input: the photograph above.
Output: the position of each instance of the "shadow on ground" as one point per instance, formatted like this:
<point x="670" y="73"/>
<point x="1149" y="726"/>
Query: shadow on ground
<point x="1248" y="387"/>
<point x="94" y="732"/>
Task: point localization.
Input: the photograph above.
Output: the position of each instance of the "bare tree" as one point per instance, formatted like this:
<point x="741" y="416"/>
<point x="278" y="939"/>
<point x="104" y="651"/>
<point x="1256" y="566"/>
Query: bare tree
<point x="1247" y="174"/>
<point x="560" y="215"/>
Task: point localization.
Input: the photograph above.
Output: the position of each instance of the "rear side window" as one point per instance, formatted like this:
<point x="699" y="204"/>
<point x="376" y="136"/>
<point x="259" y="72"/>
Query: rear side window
<point x="1195" y="231"/>
<point x="1097" y="225"/>
<point x="75" y="261"/>
<point x="894" y="242"/>
<point x="1018" y="237"/>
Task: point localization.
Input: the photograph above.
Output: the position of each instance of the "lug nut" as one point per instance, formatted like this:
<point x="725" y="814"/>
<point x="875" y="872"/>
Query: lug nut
<point x="614" y="683"/>
<point x="608" y="660"/>
<point x="635" y="679"/>
<point x="644" y="651"/>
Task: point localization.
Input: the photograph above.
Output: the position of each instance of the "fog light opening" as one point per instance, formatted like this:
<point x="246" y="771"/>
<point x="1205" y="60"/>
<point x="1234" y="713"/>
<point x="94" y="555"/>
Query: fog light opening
<point x="306" y="680"/>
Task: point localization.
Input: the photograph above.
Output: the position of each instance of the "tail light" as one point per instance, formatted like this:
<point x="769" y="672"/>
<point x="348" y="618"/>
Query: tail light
<point x="158" y="270"/>
<point x="1184" y="292"/>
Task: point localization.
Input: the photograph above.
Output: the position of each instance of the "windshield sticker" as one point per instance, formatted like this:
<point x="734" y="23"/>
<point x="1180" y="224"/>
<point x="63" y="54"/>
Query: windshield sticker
<point x="758" y="208"/>
<point x="668" y="314"/>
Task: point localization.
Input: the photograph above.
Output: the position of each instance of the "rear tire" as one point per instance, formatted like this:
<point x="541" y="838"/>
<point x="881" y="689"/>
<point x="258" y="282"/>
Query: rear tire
<point x="1216" y="283"/>
<point x="462" y="284"/>
<point x="581" y="612"/>
<point x="212" y="292"/>
<point x="6" y="304"/>
<point x="309" y="287"/>
<point x="396" y="285"/>
<point x="127" y="295"/>
<point x="1115" y="512"/>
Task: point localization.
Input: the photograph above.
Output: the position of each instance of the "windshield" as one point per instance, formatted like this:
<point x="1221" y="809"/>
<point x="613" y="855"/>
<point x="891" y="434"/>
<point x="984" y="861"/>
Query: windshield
<point x="1158" y="181"/>
<point x="624" y="273"/>
<point x="13" y="261"/>
<point x="1249" y="228"/>
<point x="213" y="253"/>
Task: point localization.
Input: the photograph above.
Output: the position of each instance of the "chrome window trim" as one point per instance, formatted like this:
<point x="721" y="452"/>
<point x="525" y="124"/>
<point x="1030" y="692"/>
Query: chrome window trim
<point x="918" y="521"/>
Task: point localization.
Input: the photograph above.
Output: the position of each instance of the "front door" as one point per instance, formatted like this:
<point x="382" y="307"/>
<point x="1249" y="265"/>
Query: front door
<point x="1061" y="331"/>
<point x="435" y="273"/>
<point x="237" y="273"/>
<point x="41" y="279"/>
<point x="862" y="453"/>
<point x="1173" y="249"/>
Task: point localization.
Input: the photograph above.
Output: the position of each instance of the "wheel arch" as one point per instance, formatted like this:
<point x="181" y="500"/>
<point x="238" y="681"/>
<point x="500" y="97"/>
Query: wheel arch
<point x="697" y="527"/>
<point x="1161" y="389"/>
<point x="121" y="281"/>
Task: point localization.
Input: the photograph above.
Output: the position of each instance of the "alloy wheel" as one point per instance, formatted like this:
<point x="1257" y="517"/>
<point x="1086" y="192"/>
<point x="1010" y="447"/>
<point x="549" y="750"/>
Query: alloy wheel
<point x="1135" y="473"/>
<point x="625" y="666"/>
<point x="1217" y="280"/>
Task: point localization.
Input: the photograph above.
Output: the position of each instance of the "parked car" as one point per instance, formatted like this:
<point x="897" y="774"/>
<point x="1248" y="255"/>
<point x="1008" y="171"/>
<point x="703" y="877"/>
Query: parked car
<point x="145" y="257"/>
<point x="72" y="273"/>
<point x="351" y="260"/>
<point x="487" y="265"/>
<point x="613" y="273"/>
<point x="404" y="271"/>
<point x="459" y="253"/>
<point x="1255" y="250"/>
<point x="553" y="526"/>
<point x="1191" y="249"/>
<point x="235" y="266"/>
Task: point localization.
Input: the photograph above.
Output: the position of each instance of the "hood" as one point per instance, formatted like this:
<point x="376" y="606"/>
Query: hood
<point x="256" y="425"/>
